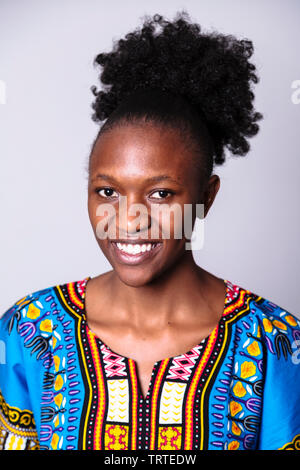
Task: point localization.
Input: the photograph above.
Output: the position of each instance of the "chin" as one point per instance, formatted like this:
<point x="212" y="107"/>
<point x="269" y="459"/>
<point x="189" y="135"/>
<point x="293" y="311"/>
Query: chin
<point x="136" y="278"/>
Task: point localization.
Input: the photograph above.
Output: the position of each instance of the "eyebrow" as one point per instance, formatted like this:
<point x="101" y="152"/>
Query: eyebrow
<point x="152" y="179"/>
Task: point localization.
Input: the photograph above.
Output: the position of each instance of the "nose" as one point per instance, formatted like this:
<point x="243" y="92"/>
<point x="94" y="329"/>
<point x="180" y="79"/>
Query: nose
<point x="133" y="219"/>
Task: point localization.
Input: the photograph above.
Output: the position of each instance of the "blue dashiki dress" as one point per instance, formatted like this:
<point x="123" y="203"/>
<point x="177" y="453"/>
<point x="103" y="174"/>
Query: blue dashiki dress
<point x="63" y="388"/>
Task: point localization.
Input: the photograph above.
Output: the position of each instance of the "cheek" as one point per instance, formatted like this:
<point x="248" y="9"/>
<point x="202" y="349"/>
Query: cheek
<point x="92" y="208"/>
<point x="171" y="221"/>
<point x="95" y="219"/>
<point x="103" y="220"/>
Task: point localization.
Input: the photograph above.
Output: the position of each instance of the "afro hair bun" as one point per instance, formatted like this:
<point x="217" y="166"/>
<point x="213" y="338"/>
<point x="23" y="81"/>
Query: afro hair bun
<point x="212" y="71"/>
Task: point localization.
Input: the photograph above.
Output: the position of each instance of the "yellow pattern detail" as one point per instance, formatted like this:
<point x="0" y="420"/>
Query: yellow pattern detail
<point x="235" y="429"/>
<point x="235" y="407"/>
<point x="233" y="445"/>
<point x="56" y="360"/>
<point x="279" y="325"/>
<point x="56" y="421"/>
<point x="20" y="443"/>
<point x="268" y="327"/>
<point x="33" y="312"/>
<point x="54" y="441"/>
<point x="254" y="349"/>
<point x="19" y="302"/>
<point x="170" y="410"/>
<point x="58" y="399"/>
<point x="58" y="382"/>
<point x="11" y="443"/>
<point x="247" y="369"/>
<point x="169" y="438"/>
<point x="239" y="390"/>
<point x="118" y="407"/>
<point x="46" y="325"/>
<point x="116" y="437"/>
<point x="291" y="320"/>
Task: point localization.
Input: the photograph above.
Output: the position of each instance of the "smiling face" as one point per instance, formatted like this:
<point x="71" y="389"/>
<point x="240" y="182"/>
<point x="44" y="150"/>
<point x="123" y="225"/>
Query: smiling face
<point x="150" y="166"/>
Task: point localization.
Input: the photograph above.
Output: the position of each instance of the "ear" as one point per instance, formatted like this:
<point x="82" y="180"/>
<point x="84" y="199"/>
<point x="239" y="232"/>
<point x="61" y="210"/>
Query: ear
<point x="210" y="192"/>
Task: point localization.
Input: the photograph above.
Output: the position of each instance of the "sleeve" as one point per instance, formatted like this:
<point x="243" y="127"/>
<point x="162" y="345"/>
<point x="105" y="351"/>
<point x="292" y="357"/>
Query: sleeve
<point x="17" y="425"/>
<point x="280" y="428"/>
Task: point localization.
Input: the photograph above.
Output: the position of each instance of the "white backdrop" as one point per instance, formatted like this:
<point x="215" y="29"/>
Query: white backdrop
<point x="46" y="71"/>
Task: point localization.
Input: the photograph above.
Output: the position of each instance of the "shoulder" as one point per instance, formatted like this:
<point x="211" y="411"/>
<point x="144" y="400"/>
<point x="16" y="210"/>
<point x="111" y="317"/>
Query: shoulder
<point x="39" y="307"/>
<point x="28" y="307"/>
<point x="276" y="327"/>
<point x="266" y="366"/>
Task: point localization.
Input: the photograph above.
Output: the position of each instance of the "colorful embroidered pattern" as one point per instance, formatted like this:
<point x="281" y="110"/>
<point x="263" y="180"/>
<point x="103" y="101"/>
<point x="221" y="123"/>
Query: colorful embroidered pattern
<point x="17" y="428"/>
<point x="169" y="438"/>
<point x="83" y="395"/>
<point x="294" y="445"/>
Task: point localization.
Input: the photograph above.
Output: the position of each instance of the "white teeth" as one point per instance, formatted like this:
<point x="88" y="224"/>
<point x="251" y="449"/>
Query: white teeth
<point x="136" y="248"/>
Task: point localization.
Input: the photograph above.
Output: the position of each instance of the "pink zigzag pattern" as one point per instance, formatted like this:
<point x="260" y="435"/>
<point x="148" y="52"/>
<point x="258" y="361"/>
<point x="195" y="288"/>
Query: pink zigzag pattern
<point x="182" y="366"/>
<point x="114" y="364"/>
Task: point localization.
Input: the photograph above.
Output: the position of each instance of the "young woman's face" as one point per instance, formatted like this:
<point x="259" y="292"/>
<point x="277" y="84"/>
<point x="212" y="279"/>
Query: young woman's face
<point x="152" y="167"/>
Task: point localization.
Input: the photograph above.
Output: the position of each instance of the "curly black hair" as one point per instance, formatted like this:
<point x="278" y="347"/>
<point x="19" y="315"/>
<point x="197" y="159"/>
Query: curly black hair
<point x="202" y="82"/>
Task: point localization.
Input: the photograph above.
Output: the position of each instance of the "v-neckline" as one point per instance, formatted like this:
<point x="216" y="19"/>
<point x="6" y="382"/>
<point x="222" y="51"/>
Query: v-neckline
<point x="160" y="361"/>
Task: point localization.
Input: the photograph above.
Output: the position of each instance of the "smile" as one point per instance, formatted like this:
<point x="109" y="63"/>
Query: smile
<point x="135" y="253"/>
<point x="136" y="248"/>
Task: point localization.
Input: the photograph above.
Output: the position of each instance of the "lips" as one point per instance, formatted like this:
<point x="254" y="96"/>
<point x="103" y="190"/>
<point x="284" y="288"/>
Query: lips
<point x="133" y="258"/>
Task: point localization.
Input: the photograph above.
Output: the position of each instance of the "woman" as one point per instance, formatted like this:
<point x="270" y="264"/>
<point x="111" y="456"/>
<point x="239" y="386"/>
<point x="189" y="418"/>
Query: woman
<point x="157" y="353"/>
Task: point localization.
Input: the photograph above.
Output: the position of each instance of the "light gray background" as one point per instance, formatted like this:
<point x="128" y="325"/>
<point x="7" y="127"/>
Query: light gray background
<point x="46" y="54"/>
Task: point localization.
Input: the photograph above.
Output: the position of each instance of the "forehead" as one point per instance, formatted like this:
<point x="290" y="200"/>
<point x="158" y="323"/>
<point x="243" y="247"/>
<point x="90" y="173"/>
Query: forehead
<point x="138" y="149"/>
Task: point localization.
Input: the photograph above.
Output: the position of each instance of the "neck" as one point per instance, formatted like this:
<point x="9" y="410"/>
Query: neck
<point x="165" y="300"/>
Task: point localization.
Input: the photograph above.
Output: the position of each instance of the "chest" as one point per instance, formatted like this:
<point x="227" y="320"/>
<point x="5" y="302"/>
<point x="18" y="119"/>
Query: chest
<point x="197" y="400"/>
<point x="145" y="352"/>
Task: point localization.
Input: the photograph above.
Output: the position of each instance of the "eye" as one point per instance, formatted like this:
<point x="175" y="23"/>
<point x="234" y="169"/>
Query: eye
<point x="106" y="192"/>
<point x="161" y="194"/>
